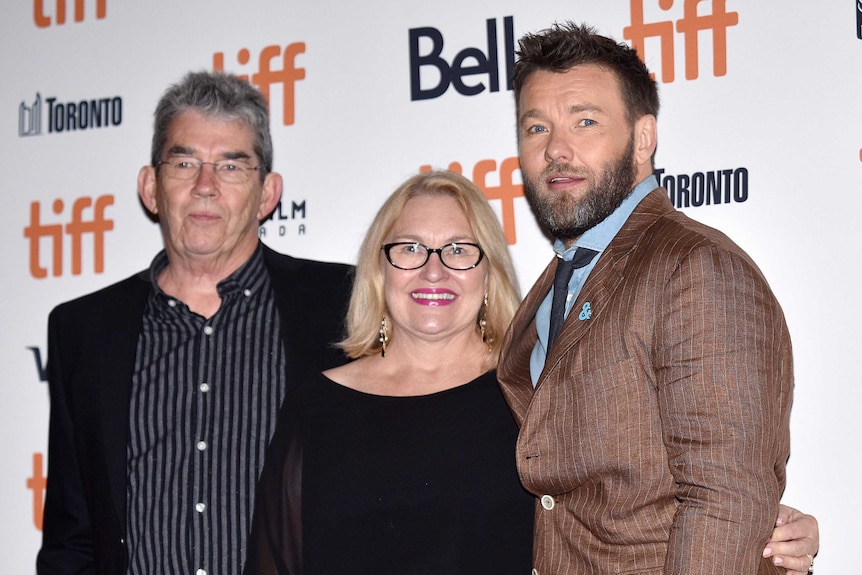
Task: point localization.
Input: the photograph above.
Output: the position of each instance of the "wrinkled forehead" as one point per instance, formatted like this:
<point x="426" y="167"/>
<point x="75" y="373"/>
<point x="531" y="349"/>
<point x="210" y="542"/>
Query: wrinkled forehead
<point x="195" y="131"/>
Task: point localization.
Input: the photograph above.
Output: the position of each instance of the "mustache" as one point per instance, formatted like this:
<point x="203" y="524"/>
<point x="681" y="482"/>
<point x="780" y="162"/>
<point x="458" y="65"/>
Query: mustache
<point x="563" y="169"/>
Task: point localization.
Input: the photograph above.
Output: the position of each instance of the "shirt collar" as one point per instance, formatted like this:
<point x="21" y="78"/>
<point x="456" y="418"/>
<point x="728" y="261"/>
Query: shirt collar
<point x="248" y="278"/>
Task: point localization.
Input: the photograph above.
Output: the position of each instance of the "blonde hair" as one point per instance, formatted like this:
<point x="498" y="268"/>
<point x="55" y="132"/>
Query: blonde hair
<point x="367" y="305"/>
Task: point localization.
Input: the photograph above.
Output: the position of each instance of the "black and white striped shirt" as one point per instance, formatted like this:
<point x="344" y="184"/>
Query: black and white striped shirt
<point x="205" y="396"/>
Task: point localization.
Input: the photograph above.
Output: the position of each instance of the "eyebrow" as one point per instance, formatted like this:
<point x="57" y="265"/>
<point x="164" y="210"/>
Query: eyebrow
<point x="534" y="113"/>
<point x="451" y="240"/>
<point x="187" y="151"/>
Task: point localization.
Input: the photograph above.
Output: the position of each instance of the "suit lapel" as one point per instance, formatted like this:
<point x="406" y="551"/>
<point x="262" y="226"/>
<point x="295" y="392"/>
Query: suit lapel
<point x="311" y="298"/>
<point x="606" y="277"/>
<point x="283" y="272"/>
<point x="113" y="331"/>
<point x="603" y="281"/>
<point x="597" y="291"/>
<point x="513" y="372"/>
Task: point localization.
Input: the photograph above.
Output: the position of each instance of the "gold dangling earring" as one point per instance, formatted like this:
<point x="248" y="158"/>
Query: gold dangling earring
<point x="483" y="323"/>
<point x="383" y="336"/>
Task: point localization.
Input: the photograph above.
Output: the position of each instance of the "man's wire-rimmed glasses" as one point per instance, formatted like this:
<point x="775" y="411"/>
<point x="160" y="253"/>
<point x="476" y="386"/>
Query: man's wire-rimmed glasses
<point x="226" y="171"/>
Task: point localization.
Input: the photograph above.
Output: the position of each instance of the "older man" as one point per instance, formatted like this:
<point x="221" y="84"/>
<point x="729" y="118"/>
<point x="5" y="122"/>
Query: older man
<point x="165" y="386"/>
<point x="650" y="366"/>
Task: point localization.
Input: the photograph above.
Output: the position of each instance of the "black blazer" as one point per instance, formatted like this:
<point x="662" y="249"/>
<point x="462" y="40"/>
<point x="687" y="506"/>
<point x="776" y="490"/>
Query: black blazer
<point x="91" y="356"/>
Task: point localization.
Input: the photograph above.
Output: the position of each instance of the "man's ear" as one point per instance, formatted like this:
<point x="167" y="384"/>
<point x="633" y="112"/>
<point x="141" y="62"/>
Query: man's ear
<point x="147" y="188"/>
<point x="270" y="195"/>
<point x="646" y="139"/>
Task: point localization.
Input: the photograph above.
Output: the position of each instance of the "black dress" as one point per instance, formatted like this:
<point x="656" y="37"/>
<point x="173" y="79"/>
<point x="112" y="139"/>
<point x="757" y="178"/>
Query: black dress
<point x="395" y="485"/>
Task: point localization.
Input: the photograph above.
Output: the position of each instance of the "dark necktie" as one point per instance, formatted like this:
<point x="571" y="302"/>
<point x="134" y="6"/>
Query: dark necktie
<point x="564" y="272"/>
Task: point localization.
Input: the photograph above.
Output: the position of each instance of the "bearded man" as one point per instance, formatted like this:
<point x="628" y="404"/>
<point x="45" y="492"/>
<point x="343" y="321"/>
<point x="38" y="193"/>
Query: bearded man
<point x="650" y="367"/>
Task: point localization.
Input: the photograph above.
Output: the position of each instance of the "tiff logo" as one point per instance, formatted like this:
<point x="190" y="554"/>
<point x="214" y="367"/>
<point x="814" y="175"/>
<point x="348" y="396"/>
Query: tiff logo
<point x="287" y="75"/>
<point x="30" y="117"/>
<point x="506" y="192"/>
<point x="43" y="20"/>
<point x="96" y="225"/>
<point x="718" y="21"/>
<point x="37" y="484"/>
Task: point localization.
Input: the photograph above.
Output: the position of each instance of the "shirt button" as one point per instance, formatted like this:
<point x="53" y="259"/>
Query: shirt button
<point x="548" y="502"/>
<point x="246" y="292"/>
<point x="202" y="445"/>
<point x="208" y="330"/>
<point x="200" y="507"/>
<point x="201" y="572"/>
<point x="204" y="387"/>
<point x="172" y="303"/>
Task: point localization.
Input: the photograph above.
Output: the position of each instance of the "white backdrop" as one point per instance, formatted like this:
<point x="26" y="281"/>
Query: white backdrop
<point x="782" y="121"/>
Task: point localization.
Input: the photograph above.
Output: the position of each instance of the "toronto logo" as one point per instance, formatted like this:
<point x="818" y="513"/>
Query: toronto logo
<point x="30" y="117"/>
<point x="68" y="116"/>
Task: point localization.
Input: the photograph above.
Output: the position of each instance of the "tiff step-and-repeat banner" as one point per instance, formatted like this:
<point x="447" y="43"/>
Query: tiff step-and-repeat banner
<point x="760" y="135"/>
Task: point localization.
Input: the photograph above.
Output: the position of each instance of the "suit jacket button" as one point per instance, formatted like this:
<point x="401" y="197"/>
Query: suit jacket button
<point x="548" y="502"/>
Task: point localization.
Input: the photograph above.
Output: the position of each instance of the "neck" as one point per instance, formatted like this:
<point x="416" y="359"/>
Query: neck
<point x="194" y="281"/>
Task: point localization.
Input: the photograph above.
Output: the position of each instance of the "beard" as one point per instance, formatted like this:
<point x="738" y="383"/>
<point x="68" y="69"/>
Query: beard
<point x="565" y="217"/>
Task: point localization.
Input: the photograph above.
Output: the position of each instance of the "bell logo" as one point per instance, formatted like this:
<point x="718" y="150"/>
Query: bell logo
<point x="287" y="74"/>
<point x="506" y="192"/>
<point x="470" y="61"/>
<point x="689" y="26"/>
<point x="96" y="225"/>
<point x="43" y="20"/>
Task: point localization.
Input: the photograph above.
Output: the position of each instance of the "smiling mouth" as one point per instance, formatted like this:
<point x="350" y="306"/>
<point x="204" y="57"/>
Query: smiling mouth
<point x="433" y="296"/>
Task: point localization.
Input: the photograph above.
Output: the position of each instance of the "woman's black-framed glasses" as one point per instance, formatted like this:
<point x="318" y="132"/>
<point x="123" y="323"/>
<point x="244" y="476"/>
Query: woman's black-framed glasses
<point x="459" y="256"/>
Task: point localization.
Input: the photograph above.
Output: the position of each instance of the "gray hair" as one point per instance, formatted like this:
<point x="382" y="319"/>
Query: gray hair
<point x="220" y="95"/>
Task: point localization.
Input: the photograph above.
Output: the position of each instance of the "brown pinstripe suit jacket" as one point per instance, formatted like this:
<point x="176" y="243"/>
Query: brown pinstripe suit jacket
<point x="660" y="425"/>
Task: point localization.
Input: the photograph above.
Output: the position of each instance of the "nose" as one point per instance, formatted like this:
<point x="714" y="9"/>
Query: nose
<point x="558" y="148"/>
<point x="206" y="182"/>
<point x="434" y="270"/>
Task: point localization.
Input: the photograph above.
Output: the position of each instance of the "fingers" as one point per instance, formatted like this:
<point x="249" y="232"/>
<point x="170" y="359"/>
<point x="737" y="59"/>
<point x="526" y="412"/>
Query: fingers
<point x="795" y="548"/>
<point x="798" y="537"/>
<point x="785" y="514"/>
<point x="794" y="565"/>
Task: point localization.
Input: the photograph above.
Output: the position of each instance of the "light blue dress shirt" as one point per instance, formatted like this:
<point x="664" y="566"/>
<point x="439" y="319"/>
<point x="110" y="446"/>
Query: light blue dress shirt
<point x="596" y="238"/>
